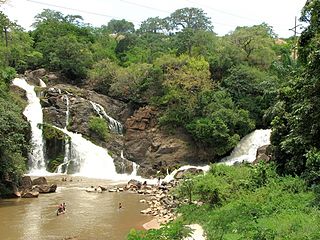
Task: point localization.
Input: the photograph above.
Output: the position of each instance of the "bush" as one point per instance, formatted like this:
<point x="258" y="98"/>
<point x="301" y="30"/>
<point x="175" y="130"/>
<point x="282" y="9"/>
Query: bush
<point x="172" y="231"/>
<point x="100" y="127"/>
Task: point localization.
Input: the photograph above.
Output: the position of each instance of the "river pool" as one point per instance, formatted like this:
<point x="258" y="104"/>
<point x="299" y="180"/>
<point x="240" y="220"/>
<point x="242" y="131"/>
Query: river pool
<point x="88" y="216"/>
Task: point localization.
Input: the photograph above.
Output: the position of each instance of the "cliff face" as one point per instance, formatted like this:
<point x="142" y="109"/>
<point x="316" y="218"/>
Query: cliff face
<point x="154" y="148"/>
<point x="143" y="141"/>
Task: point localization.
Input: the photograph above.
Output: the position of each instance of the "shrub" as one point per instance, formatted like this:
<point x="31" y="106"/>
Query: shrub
<point x="100" y="127"/>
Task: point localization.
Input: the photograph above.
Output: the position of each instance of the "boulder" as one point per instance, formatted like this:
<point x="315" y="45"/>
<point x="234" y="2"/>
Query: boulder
<point x="263" y="154"/>
<point x="146" y="211"/>
<point x="26" y="183"/>
<point x="45" y="188"/>
<point x="40" y="181"/>
<point x="133" y="184"/>
<point x="30" y="194"/>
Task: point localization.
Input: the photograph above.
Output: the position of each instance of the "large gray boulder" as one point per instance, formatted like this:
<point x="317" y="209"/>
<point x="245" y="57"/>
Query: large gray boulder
<point x="45" y="188"/>
<point x="40" y="181"/>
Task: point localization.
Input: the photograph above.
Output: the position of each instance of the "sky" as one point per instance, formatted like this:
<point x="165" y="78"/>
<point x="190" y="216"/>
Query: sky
<point x="225" y="15"/>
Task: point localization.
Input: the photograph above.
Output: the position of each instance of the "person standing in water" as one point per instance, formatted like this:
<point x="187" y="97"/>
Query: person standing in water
<point x="119" y="206"/>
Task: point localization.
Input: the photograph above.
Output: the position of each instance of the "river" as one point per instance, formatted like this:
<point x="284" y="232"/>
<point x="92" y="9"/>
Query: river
<point x="88" y="216"/>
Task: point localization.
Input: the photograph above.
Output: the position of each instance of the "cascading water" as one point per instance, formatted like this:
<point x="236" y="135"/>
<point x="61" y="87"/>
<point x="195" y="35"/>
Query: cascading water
<point x="33" y="113"/>
<point x="63" y="168"/>
<point x="246" y="149"/>
<point x="114" y="125"/>
<point x="42" y="83"/>
<point x="90" y="159"/>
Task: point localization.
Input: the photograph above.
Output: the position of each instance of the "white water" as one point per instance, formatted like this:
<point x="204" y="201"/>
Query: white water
<point x="114" y="125"/>
<point x="246" y="149"/>
<point x="63" y="168"/>
<point x="93" y="161"/>
<point x="42" y="83"/>
<point x="33" y="113"/>
<point x="170" y="176"/>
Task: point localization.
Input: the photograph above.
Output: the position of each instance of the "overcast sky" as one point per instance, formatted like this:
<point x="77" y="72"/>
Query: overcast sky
<point x="225" y="14"/>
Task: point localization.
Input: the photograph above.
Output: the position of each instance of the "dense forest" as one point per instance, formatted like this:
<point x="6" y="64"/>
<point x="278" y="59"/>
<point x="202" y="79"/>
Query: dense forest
<point x="216" y="88"/>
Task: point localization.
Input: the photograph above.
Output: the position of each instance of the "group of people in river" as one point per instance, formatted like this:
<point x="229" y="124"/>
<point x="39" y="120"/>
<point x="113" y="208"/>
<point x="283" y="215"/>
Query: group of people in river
<point x="61" y="209"/>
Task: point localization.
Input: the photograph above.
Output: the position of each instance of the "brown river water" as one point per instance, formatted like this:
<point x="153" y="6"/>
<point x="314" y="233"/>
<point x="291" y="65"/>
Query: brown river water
<point x="88" y="215"/>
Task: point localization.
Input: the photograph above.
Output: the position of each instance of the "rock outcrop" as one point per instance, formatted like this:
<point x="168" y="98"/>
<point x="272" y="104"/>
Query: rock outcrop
<point x="263" y="154"/>
<point x="153" y="148"/>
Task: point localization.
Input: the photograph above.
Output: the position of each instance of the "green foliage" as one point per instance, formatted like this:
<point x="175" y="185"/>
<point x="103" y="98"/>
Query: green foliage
<point x="120" y="26"/>
<point x="54" y="163"/>
<point x="14" y="131"/>
<point x="186" y="189"/>
<point x="235" y="208"/>
<point x="312" y="171"/>
<point x="102" y="75"/>
<point x="252" y="90"/>
<point x="174" y="231"/>
<point x="153" y="25"/>
<point x="64" y="43"/>
<point x="50" y="132"/>
<point x="100" y="127"/>
<point x="296" y="127"/>
<point x="190" y="18"/>
<point x="256" y="42"/>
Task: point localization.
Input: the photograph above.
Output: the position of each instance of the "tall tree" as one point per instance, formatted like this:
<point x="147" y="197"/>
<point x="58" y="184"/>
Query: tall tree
<point x="120" y="26"/>
<point x="192" y="18"/>
<point x="256" y="42"/>
<point x="153" y="25"/>
<point x="296" y="128"/>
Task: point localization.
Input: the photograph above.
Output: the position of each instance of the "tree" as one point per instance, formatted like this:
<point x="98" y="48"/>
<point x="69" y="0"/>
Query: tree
<point x="64" y="43"/>
<point x="296" y="128"/>
<point x="119" y="27"/>
<point x="191" y="18"/>
<point x="153" y="25"/>
<point x="252" y="90"/>
<point x="256" y="42"/>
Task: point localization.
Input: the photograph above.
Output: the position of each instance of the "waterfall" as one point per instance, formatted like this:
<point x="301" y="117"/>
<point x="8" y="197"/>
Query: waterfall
<point x="170" y="176"/>
<point x="90" y="159"/>
<point x="33" y="113"/>
<point x="114" y="125"/>
<point x="42" y="83"/>
<point x="63" y="168"/>
<point x="135" y="168"/>
<point x="246" y="149"/>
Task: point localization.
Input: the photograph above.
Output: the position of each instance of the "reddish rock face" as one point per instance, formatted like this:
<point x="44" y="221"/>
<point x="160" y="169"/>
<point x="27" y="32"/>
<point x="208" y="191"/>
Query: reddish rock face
<point x="154" y="148"/>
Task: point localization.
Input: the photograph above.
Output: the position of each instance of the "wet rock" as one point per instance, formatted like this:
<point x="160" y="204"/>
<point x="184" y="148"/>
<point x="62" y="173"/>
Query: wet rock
<point x="39" y="181"/>
<point x="44" y="188"/>
<point x="146" y="211"/>
<point x="263" y="154"/>
<point x="30" y="194"/>
<point x="133" y="184"/>
<point x="123" y="165"/>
